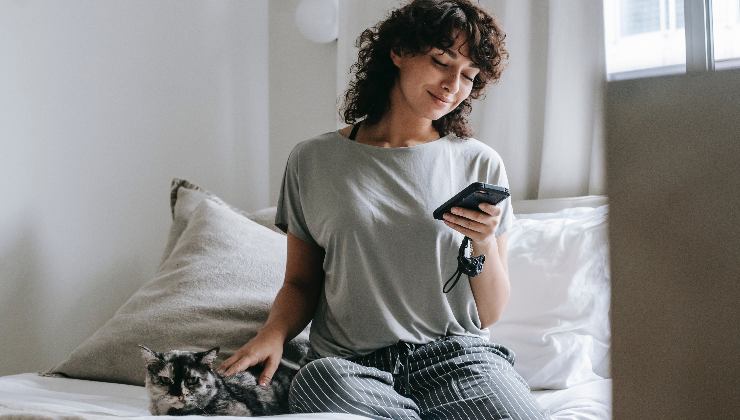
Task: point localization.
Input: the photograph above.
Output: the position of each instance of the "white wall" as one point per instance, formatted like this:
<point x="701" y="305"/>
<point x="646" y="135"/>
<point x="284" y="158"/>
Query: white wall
<point x="101" y="104"/>
<point x="303" y="88"/>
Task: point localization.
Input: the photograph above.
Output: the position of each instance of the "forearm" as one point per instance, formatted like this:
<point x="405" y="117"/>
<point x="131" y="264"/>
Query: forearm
<point x="491" y="288"/>
<point x="292" y="310"/>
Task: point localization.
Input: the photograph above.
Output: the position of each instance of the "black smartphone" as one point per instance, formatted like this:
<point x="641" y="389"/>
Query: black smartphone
<point x="471" y="196"/>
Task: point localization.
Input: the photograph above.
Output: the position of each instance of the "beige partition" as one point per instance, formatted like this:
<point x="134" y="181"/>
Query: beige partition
<point x="673" y="175"/>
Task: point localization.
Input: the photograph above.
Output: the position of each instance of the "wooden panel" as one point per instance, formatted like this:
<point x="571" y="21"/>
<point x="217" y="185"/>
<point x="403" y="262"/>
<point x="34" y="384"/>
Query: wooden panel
<point x="673" y="176"/>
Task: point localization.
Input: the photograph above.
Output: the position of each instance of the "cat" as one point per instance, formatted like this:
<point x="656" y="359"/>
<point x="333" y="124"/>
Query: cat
<point x="184" y="382"/>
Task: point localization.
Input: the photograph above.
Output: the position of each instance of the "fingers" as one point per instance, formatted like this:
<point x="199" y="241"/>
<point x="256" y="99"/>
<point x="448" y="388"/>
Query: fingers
<point x="227" y="363"/>
<point x="235" y="364"/>
<point x="454" y="221"/>
<point x="475" y="220"/>
<point x="464" y="221"/>
<point x="490" y="209"/>
<point x="472" y="234"/>
<point x="486" y="213"/>
<point x="270" y="367"/>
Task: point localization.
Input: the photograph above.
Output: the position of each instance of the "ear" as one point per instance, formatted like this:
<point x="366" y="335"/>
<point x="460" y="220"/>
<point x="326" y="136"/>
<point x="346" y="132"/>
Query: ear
<point x="396" y="58"/>
<point x="150" y="356"/>
<point x="208" y="356"/>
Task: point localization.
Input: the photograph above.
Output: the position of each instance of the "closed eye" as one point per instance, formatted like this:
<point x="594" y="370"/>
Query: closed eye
<point x="441" y="64"/>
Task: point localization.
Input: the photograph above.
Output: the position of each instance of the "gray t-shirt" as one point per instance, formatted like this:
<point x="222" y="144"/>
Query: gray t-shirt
<point x="370" y="209"/>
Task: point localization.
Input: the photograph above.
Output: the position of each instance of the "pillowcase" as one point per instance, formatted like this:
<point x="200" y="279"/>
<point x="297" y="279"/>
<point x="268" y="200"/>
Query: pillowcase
<point x="220" y="273"/>
<point x="266" y="217"/>
<point x="557" y="318"/>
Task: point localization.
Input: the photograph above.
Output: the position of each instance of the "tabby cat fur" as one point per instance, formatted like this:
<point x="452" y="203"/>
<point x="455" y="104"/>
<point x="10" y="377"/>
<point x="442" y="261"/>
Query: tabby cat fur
<point x="183" y="382"/>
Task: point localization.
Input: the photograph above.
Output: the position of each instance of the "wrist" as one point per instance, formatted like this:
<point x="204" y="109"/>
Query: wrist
<point x="273" y="334"/>
<point x="484" y="247"/>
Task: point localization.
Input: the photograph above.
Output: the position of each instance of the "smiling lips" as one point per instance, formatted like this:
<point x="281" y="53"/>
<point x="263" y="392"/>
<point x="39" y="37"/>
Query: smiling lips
<point x="439" y="100"/>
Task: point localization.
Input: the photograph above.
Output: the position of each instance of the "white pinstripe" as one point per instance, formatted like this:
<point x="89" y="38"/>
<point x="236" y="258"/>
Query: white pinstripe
<point x="488" y="385"/>
<point x="358" y="390"/>
<point x="360" y="369"/>
<point x="490" y="389"/>
<point x="435" y="390"/>
<point x="402" y="401"/>
<point x="295" y="386"/>
<point x="504" y="389"/>
<point x="522" y="396"/>
<point x="315" y="400"/>
<point x="443" y="350"/>
<point x="332" y="368"/>
<point x="513" y="389"/>
<point x="495" y="365"/>
<point x="379" y="360"/>
<point x="295" y="398"/>
<point x="466" y="356"/>
<point x="374" y="395"/>
<point x="492" y="359"/>
<point x="430" y="391"/>
<point x="309" y="372"/>
<point x="333" y="378"/>
<point x="440" y="403"/>
<point x="367" y="383"/>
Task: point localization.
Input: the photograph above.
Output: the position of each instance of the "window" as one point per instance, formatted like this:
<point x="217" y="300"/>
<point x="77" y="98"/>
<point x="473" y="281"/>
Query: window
<point x="726" y="26"/>
<point x="649" y="37"/>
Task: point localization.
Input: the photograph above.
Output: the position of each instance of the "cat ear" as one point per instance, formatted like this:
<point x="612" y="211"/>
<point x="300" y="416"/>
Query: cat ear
<point x="208" y="356"/>
<point x="150" y="356"/>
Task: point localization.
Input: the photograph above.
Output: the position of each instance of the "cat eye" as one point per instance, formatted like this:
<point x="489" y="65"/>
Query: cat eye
<point x="164" y="380"/>
<point x="192" y="381"/>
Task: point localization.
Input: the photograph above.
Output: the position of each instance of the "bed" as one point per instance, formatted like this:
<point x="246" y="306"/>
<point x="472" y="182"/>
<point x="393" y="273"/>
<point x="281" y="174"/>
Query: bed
<point x="557" y="319"/>
<point x="29" y="394"/>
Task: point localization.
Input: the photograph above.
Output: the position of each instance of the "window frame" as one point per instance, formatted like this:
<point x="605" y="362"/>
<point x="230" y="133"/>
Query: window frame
<point x="699" y="46"/>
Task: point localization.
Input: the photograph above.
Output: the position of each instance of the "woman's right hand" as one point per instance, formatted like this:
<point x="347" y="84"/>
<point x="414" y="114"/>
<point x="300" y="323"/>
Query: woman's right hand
<point x="264" y="348"/>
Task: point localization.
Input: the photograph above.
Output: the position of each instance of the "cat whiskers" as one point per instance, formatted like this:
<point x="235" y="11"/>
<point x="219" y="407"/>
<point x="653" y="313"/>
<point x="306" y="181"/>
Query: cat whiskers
<point x="199" y="407"/>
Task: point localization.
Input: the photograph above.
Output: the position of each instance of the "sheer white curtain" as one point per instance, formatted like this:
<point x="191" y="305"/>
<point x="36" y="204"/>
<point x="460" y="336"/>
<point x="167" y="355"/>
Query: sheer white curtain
<point x="545" y="116"/>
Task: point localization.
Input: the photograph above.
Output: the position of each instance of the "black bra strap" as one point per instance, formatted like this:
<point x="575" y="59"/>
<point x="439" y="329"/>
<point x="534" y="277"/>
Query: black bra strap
<point x="355" y="128"/>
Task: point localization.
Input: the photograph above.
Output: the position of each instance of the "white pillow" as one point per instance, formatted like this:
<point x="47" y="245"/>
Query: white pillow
<point x="557" y="318"/>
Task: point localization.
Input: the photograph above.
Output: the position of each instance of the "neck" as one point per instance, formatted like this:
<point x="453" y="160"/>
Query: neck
<point x="399" y="127"/>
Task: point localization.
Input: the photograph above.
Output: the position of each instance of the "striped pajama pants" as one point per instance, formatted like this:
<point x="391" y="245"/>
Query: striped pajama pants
<point x="453" y="377"/>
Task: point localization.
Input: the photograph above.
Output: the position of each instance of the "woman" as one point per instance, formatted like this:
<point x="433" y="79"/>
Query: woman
<point x="366" y="260"/>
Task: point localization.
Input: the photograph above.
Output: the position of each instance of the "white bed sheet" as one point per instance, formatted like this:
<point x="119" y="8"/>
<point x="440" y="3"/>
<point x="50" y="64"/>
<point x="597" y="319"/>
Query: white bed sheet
<point x="30" y="396"/>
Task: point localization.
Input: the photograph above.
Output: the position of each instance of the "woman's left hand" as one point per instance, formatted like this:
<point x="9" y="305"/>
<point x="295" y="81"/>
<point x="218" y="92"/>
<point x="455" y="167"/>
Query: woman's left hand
<point x="479" y="226"/>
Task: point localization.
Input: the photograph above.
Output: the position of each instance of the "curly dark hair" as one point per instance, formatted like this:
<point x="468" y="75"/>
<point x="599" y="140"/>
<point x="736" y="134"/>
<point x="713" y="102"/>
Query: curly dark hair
<point x="414" y="29"/>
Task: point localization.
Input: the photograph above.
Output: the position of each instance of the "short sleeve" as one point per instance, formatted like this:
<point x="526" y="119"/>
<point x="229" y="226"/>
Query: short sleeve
<point x="289" y="216"/>
<point x="497" y="176"/>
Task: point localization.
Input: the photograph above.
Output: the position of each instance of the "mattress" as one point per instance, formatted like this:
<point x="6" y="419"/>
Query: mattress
<point x="30" y="396"/>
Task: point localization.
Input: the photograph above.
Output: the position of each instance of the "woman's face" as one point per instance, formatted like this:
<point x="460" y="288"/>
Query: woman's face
<point x="434" y="83"/>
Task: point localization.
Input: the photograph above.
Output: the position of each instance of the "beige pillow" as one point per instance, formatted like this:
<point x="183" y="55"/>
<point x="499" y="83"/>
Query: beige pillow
<point x="219" y="275"/>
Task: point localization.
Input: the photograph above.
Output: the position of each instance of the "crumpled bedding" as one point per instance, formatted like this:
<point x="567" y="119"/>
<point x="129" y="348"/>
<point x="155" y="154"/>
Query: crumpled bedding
<point x="31" y="396"/>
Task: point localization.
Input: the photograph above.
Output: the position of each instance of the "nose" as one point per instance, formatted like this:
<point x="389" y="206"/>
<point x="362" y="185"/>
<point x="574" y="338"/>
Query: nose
<point x="451" y="83"/>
